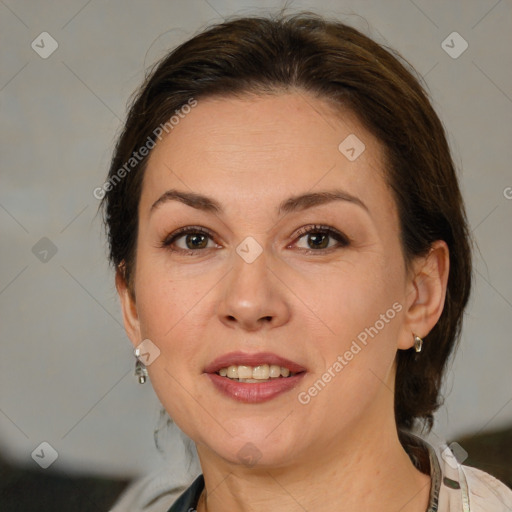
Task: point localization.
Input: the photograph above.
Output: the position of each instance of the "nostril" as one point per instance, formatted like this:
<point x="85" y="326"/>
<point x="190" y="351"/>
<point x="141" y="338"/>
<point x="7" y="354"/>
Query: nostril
<point x="268" y="318"/>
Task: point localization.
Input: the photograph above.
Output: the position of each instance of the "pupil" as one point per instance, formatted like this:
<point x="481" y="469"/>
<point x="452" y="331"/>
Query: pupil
<point x="196" y="241"/>
<point x="319" y="240"/>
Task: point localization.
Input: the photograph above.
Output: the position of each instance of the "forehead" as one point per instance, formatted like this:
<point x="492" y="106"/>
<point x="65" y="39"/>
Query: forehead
<point x="268" y="147"/>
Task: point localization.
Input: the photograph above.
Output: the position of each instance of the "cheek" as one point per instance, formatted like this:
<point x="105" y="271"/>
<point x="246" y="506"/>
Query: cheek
<point x="167" y="293"/>
<point x="361" y="316"/>
<point x="360" y="309"/>
<point x="350" y="298"/>
<point x="164" y="307"/>
<point x="169" y="313"/>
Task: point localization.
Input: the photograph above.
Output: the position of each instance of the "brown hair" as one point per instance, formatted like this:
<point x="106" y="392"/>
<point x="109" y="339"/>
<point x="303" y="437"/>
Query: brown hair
<point x="266" y="55"/>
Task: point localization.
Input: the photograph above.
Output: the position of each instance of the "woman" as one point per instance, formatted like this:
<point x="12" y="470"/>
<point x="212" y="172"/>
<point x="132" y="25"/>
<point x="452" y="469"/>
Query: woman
<point x="293" y="260"/>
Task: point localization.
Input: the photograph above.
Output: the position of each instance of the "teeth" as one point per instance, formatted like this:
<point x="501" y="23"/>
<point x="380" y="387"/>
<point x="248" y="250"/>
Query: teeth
<point x="255" y="373"/>
<point x="261" y="372"/>
<point x="232" y="372"/>
<point x="244" y="372"/>
<point x="275" y="371"/>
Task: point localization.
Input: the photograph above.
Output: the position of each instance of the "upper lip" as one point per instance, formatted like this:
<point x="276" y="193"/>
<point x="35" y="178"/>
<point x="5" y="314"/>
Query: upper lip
<point x="242" y="358"/>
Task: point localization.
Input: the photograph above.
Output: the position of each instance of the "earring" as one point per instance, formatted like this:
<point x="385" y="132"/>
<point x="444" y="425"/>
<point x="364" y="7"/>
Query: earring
<point x="418" y="343"/>
<point x="140" y="368"/>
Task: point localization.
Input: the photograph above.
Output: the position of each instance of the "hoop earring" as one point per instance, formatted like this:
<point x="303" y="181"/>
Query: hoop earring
<point x="141" y="371"/>
<point x="418" y="343"/>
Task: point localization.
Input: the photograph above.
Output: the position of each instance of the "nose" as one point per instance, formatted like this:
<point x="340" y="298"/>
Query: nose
<point x="252" y="297"/>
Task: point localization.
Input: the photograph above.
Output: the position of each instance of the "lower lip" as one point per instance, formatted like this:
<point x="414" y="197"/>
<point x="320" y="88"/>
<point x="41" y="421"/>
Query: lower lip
<point x="251" y="393"/>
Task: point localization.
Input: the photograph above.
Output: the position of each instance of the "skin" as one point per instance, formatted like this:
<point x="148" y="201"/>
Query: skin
<point x="250" y="154"/>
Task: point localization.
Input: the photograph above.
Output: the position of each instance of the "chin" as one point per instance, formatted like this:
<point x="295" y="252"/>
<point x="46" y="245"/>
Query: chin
<point x="256" y="451"/>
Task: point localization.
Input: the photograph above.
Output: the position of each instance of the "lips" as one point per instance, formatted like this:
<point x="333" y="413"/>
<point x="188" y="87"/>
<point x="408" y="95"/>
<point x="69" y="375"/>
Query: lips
<point x="254" y="393"/>
<point x="242" y="358"/>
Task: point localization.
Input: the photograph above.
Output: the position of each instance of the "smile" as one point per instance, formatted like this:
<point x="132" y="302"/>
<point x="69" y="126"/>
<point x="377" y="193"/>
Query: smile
<point x="254" y="374"/>
<point x="253" y="378"/>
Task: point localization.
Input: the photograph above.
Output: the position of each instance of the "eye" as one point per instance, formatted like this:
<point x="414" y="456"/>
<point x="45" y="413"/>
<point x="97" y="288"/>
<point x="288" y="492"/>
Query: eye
<point x="188" y="240"/>
<point x="318" y="238"/>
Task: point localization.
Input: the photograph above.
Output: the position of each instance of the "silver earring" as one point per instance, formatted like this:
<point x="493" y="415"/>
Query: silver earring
<point x="418" y="343"/>
<point x="140" y="368"/>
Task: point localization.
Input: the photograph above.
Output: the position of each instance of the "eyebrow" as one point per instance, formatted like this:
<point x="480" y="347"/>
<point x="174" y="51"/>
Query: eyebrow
<point x="292" y="204"/>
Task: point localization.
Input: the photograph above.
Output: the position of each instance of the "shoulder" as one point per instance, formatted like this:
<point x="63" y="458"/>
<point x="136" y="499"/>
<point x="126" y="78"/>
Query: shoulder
<point x="459" y="488"/>
<point x="155" y="492"/>
<point x="486" y="492"/>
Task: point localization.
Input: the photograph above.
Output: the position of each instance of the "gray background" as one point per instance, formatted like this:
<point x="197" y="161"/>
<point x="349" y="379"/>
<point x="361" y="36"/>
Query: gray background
<point x="66" y="366"/>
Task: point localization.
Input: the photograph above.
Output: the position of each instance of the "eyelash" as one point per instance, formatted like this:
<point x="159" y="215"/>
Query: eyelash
<point x="343" y="241"/>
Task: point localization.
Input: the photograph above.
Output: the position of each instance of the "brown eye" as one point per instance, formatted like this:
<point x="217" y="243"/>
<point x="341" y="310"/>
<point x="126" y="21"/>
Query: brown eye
<point x="317" y="238"/>
<point x="189" y="240"/>
<point x="196" y="241"/>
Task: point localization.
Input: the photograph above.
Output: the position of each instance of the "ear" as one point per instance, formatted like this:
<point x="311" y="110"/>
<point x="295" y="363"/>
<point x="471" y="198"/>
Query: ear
<point x="128" y="307"/>
<point x="426" y="292"/>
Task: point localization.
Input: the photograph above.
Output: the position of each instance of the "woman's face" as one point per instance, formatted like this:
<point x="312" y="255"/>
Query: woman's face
<point x="248" y="286"/>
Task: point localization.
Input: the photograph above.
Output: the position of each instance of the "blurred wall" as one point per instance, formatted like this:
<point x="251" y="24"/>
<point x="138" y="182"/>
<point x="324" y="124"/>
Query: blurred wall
<point x="66" y="366"/>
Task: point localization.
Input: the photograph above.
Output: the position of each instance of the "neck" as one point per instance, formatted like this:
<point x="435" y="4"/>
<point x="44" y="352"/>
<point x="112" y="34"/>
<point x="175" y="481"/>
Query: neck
<point x="367" y="469"/>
